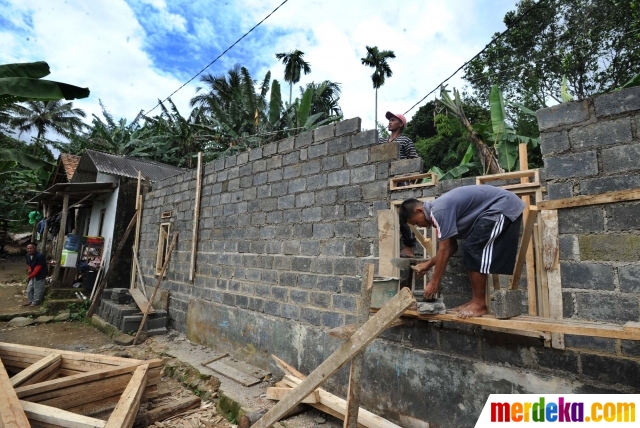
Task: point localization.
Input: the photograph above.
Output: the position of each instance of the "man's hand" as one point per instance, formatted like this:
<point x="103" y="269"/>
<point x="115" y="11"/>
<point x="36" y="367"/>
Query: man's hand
<point x="431" y="291"/>
<point x="422" y="268"/>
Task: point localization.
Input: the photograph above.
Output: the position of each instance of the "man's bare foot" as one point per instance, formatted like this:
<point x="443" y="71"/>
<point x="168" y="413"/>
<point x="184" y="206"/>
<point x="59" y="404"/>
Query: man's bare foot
<point x="473" y="310"/>
<point x="406" y="252"/>
<point x="461" y="307"/>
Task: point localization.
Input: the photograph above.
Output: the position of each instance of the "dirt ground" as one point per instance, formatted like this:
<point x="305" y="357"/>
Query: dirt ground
<point x="12" y="289"/>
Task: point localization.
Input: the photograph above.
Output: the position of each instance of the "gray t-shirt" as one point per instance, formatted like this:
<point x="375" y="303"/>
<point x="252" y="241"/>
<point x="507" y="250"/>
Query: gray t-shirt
<point x="454" y="213"/>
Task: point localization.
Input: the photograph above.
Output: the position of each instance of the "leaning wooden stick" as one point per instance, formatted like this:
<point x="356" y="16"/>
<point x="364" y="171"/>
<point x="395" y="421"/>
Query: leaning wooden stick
<point x="355" y="373"/>
<point x="112" y="263"/>
<point x="349" y="349"/>
<point x="155" y="290"/>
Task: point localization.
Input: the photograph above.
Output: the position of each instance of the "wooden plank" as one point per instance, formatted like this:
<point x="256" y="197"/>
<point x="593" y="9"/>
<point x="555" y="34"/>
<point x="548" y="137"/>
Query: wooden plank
<point x="155" y="290"/>
<point x="141" y="301"/>
<point x="60" y="238"/>
<point x="36" y="351"/>
<point x="136" y="262"/>
<point x="628" y="331"/>
<point x="216" y="358"/>
<point x="355" y="372"/>
<point x="543" y="298"/>
<point x="166" y="411"/>
<point x="127" y="408"/>
<point x="393" y="182"/>
<point x="602" y="198"/>
<point x="248" y="369"/>
<point x="425" y="242"/>
<point x="386" y="246"/>
<point x="360" y="339"/>
<point x="11" y="413"/>
<point x="522" y="252"/>
<point x="136" y="241"/>
<point x="82" y="378"/>
<point x="34" y="369"/>
<point x="509" y="176"/>
<point x="531" y="272"/>
<point x="277" y="394"/>
<point x="550" y="259"/>
<point x="339" y="405"/>
<point x="196" y="219"/>
<point x="51" y="415"/>
<point x="233" y="373"/>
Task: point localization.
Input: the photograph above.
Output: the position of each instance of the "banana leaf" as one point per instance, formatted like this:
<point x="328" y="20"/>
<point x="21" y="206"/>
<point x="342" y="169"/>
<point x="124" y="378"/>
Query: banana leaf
<point x="507" y="153"/>
<point x="34" y="70"/>
<point x="471" y="152"/>
<point x="24" y="159"/>
<point x="564" y="91"/>
<point x="498" y="113"/>
<point x="305" y="107"/>
<point x="25" y="89"/>
<point x="634" y="81"/>
<point x="522" y="108"/>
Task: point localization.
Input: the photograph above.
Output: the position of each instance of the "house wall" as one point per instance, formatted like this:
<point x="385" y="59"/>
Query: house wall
<point x="109" y="202"/>
<point x="286" y="228"/>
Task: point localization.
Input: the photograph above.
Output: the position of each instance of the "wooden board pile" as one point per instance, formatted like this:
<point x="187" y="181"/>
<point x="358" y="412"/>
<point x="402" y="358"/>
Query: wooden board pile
<point x="42" y="387"/>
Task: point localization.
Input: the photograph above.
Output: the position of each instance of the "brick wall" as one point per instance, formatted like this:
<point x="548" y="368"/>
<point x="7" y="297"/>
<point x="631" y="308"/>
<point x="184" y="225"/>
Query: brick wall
<point x="285" y="229"/>
<point x="591" y="147"/>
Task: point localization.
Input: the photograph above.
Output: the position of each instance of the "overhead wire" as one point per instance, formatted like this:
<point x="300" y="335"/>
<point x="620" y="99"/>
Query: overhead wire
<point x="218" y="57"/>
<point x="515" y="23"/>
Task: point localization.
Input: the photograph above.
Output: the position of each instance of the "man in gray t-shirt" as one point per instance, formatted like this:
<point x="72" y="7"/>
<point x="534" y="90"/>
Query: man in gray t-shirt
<point x="487" y="218"/>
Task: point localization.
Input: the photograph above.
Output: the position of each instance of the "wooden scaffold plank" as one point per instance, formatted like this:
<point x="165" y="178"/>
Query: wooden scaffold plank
<point x="57" y="417"/>
<point x="127" y="408"/>
<point x="11" y="413"/>
<point x="35" y="369"/>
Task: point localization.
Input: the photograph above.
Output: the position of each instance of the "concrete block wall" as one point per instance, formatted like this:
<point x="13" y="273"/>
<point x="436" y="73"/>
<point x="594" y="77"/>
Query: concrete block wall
<point x="591" y="147"/>
<point x="284" y="232"/>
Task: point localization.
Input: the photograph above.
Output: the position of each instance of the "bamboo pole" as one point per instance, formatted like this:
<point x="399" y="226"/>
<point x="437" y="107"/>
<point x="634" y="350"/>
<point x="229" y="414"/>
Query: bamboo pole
<point x="60" y="238"/>
<point x="196" y="219"/>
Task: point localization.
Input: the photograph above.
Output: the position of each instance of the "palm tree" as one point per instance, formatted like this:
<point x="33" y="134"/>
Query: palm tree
<point x="293" y="65"/>
<point x="326" y="96"/>
<point x="45" y="116"/>
<point x="378" y="61"/>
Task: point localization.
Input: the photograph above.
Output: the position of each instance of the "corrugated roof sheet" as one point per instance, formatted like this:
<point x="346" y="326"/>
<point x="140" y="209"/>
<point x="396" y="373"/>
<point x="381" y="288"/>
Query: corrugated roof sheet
<point x="122" y="166"/>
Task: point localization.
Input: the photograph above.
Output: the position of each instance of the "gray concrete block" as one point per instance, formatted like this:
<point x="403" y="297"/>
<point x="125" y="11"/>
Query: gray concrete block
<point x="157" y="332"/>
<point x="286" y="145"/>
<point x="332" y="162"/>
<point x="581" y="220"/>
<point x="274" y="175"/>
<point x="311" y="167"/>
<point x="333" y="212"/>
<point x="304" y="140"/>
<point x="608" y="184"/>
<point x="621" y="158"/>
<point x="506" y="304"/>
<point x="377" y="190"/>
<point x="286" y="202"/>
<point x="587" y="276"/>
<point x="617" y="102"/>
<point x="603" y="133"/>
<point x="230" y="161"/>
<point x="629" y="278"/>
<point x="617" y="307"/>
<point x="255" y="154"/>
<point x="552" y="142"/>
<point x="406" y="166"/>
<point x="291" y="158"/>
<point x="338" y="178"/>
<point x="315" y="182"/>
<point x="593" y="343"/>
<point x="297" y="185"/>
<point x="623" y="217"/>
<point x="366" y="138"/>
<point x="343" y="302"/>
<point x="310" y="248"/>
<point x="338" y="145"/>
<point x="243" y="158"/>
<point x="348" y="126"/>
<point x="357" y="157"/>
<point x="559" y="190"/>
<point x="363" y="174"/>
<point x="573" y="165"/>
<point x="274" y="162"/>
<point x="323" y="132"/>
<point x="317" y="150"/>
<point x="563" y="114"/>
<point x="349" y="194"/>
<point x="322" y="230"/>
<point x="569" y="248"/>
<point x="279" y="189"/>
<point x="357" y="210"/>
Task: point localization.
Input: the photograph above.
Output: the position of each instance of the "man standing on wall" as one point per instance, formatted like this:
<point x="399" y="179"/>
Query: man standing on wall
<point x="36" y="274"/>
<point x="488" y="218"/>
<point x="406" y="150"/>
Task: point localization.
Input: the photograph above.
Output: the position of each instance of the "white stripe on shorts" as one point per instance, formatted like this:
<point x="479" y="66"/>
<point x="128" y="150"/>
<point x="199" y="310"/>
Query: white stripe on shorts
<point x="487" y="252"/>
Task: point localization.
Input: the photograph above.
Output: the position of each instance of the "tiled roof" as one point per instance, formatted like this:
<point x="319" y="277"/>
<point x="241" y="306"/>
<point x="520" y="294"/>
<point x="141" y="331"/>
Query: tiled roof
<point x="70" y="163"/>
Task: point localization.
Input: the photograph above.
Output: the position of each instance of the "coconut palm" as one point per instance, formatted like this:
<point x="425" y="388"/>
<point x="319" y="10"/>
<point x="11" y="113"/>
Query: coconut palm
<point x="293" y="66"/>
<point x="45" y="116"/>
<point x="378" y="61"/>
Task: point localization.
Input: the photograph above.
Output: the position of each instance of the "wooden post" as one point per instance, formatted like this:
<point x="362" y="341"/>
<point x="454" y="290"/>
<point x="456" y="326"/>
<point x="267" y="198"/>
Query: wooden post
<point x="531" y="271"/>
<point x="45" y="233"/>
<point x="137" y="235"/>
<point x="196" y="218"/>
<point x="349" y="349"/>
<point x="155" y="290"/>
<point x="355" y="374"/>
<point x="532" y="212"/>
<point x="61" y="234"/>
<point x="385" y="242"/>
<point x="112" y="262"/>
<point x="550" y="258"/>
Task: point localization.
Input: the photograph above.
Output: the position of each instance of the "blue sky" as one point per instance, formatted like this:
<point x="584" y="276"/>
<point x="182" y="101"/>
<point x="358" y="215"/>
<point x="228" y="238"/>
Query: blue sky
<point x="132" y="52"/>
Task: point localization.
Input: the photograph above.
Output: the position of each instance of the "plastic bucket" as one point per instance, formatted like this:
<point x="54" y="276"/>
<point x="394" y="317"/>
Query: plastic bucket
<point x="72" y="243"/>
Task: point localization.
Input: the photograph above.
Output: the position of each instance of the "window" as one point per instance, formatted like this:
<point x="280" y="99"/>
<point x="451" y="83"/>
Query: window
<point x="163" y="246"/>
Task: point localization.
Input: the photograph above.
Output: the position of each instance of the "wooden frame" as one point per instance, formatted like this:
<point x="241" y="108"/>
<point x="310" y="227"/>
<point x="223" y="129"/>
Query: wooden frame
<point x="163" y="245"/>
<point x="412" y="179"/>
<point x="65" y="395"/>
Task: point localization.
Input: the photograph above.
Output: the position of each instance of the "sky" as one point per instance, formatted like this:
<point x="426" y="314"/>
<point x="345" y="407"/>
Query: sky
<point x="130" y="53"/>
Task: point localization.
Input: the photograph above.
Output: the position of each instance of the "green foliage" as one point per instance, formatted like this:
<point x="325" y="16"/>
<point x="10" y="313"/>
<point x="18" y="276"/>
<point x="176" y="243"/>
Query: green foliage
<point x="378" y="60"/>
<point x="594" y="43"/>
<point x="294" y="66"/>
<point x="78" y="311"/>
<point x="275" y="103"/>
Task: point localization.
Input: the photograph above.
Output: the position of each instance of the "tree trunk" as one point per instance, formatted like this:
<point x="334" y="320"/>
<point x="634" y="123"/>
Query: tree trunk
<point x="290" y="92"/>
<point x="376" y="109"/>
<point x="35" y="145"/>
<point x="490" y="164"/>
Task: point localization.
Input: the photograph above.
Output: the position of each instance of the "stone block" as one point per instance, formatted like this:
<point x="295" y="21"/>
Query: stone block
<point x="621" y="248"/>
<point x="274" y="162"/>
<point x="338" y="145"/>
<point x="242" y="158"/>
<point x="563" y="114"/>
<point x="377" y="190"/>
<point x="311" y="167"/>
<point x="348" y="126"/>
<point x="406" y="166"/>
<point x="573" y="165"/>
<point x="269" y="149"/>
<point x="291" y="158"/>
<point x="323" y="132"/>
<point x="611" y="370"/>
<point x="552" y="142"/>
<point x="332" y="248"/>
<point x="259" y="179"/>
<point x="569" y="247"/>
<point x="623" y="216"/>
<point x="311" y="316"/>
<point x="230" y="161"/>
<point x="285" y="202"/>
<point x="272" y="308"/>
<point x="315" y="182"/>
<point x="343" y="302"/>
<point x="366" y="138"/>
<point x="317" y="150"/>
<point x="602" y="344"/>
<point x="319" y="299"/>
<point x="286" y="145"/>
<point x="332" y="162"/>
<point x="603" y="133"/>
<point x="568" y="304"/>
<point x="349" y="194"/>
<point x="332" y="319"/>
<point x="587" y="276"/>
<point x="384" y="152"/>
<point x="301" y="264"/>
<point x="629" y="278"/>
<point x="559" y="190"/>
<point x="292" y="216"/>
<point x="363" y="174"/>
<point x="310" y="248"/>
<point x="595" y="186"/>
<point x="338" y="178"/>
<point x="507" y="304"/>
<point x="312" y="214"/>
<point x="255" y="154"/>
<point x="357" y="248"/>
<point x="630" y="347"/>
<point x="617" y="102"/>
<point x="620" y="158"/>
<point x="304" y="140"/>
<point x="326" y="197"/>
<point x="274" y="175"/>
<point x="291" y="171"/>
<point x="357" y="157"/>
<point x="581" y="220"/>
<point x="616" y="307"/>
<point x="322" y="230"/>
<point x="357" y="210"/>
<point x="297" y="185"/>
